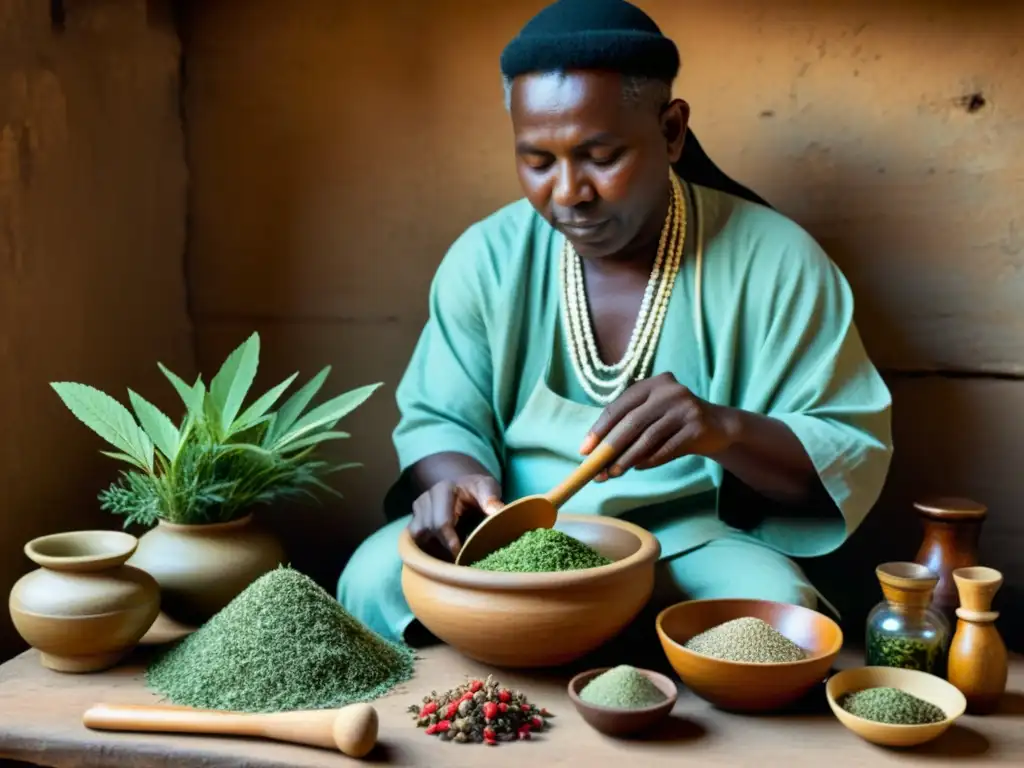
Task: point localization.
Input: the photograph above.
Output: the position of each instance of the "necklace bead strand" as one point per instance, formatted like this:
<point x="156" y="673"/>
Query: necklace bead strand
<point x="639" y="356"/>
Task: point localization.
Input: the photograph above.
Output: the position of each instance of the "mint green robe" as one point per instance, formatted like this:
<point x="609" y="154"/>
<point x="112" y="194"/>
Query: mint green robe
<point x="759" y="319"/>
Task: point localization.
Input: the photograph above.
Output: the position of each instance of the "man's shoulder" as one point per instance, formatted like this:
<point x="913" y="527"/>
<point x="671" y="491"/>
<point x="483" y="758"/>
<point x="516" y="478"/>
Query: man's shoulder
<point x="759" y="240"/>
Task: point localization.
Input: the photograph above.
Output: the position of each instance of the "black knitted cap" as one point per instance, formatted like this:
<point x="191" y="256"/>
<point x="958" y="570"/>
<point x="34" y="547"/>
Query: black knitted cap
<point x="610" y="35"/>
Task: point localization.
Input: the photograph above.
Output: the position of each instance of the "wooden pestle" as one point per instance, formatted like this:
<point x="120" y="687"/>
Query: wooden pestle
<point x="352" y="730"/>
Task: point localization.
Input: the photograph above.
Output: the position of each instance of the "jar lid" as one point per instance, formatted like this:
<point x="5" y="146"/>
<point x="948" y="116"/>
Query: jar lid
<point x="951" y="508"/>
<point x="909" y="584"/>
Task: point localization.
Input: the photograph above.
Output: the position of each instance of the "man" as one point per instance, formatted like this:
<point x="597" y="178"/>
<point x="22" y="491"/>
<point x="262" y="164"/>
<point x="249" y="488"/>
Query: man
<point x="668" y="312"/>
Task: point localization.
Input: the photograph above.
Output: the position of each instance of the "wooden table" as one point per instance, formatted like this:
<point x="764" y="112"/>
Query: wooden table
<point x="40" y="722"/>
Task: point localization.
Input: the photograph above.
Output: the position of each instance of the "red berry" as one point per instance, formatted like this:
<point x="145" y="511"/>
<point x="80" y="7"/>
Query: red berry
<point x="524" y="707"/>
<point x="431" y="730"/>
<point x="453" y="710"/>
<point x="503" y="707"/>
<point x="504" y="695"/>
<point x="443" y="725"/>
<point x="524" y="733"/>
<point x="475" y="686"/>
<point x="489" y="734"/>
<point x="491" y="742"/>
<point x="536" y="723"/>
<point x="466" y="696"/>
<point x="428" y="709"/>
<point x="490" y="710"/>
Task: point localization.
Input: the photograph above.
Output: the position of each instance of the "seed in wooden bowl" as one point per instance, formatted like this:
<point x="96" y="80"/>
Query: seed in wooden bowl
<point x="746" y="639"/>
<point x="891" y="705"/>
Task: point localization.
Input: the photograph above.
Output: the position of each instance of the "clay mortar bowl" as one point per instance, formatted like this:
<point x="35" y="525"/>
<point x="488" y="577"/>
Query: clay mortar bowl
<point x="747" y="686"/>
<point x="522" y="620"/>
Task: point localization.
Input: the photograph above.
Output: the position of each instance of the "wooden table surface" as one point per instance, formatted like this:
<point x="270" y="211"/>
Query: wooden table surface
<point x="40" y="722"/>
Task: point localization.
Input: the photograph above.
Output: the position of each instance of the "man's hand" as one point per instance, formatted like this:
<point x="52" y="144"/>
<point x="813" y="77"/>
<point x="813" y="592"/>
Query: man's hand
<point x="657" y="420"/>
<point x="436" y="512"/>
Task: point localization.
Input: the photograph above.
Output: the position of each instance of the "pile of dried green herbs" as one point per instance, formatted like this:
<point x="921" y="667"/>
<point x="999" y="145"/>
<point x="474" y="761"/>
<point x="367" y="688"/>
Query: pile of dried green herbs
<point x="622" y="687"/>
<point x="283" y="644"/>
<point x="544" y="550"/>
<point x="746" y="639"/>
<point x="891" y="705"/>
<point x="480" y="712"/>
<point x="904" y="652"/>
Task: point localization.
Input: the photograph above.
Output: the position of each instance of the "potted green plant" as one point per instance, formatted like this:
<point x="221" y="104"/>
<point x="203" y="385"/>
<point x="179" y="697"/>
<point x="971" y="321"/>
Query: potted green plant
<point x="196" y="484"/>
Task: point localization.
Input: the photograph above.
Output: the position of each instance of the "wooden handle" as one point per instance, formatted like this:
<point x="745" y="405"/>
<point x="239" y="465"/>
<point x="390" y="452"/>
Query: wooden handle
<point x="598" y="459"/>
<point x="328" y="728"/>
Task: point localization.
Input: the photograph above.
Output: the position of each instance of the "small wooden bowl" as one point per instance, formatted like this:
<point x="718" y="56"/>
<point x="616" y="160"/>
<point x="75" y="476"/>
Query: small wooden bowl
<point x="613" y="721"/>
<point x="746" y="686"/>
<point x="930" y="688"/>
<point x="522" y="620"/>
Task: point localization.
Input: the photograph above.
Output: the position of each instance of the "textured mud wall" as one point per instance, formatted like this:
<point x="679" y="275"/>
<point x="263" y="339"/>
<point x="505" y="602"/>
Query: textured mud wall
<point x="92" y="222"/>
<point x="338" y="148"/>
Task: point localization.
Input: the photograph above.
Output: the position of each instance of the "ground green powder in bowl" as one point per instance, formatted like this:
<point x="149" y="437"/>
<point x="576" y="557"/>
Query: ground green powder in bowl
<point x="544" y="550"/>
<point x="282" y="644"/>
<point x="746" y="639"/>
<point x="623" y="687"/>
<point x="892" y="706"/>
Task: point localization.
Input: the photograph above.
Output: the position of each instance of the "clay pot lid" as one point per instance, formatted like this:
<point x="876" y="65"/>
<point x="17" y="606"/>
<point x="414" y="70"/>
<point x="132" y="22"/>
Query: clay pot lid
<point x="81" y="551"/>
<point x="951" y="508"/>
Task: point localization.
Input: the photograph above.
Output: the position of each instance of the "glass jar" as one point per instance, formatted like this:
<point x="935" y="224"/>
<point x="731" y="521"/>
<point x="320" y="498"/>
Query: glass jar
<point x="905" y="630"/>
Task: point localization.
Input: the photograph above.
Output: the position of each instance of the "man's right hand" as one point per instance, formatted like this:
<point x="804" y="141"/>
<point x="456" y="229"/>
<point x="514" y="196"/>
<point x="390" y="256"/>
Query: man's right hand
<point x="437" y="511"/>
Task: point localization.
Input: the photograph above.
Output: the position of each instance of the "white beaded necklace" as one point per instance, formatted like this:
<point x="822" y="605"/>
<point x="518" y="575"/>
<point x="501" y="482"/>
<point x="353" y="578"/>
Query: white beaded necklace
<point x="601" y="381"/>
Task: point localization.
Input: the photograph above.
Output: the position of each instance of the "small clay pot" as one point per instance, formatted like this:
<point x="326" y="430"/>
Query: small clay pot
<point x="620" y="722"/>
<point x="84" y="610"/>
<point x="202" y="568"/>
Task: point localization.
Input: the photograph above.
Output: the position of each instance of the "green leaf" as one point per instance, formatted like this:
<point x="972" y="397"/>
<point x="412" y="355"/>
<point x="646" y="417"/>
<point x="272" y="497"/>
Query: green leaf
<point x="124" y="457"/>
<point x="107" y="418"/>
<point x="331" y="411"/>
<point x="231" y="384"/>
<point x="325" y="487"/>
<point x="340" y="467"/>
<point x="191" y="396"/>
<point x="159" y="427"/>
<point x="211" y="413"/>
<point x="319" y="437"/>
<point x="295" y="405"/>
<point x="251" y="415"/>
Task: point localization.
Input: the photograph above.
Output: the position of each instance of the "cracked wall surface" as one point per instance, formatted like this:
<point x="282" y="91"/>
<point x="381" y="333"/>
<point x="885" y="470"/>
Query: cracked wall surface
<point x="332" y="141"/>
<point x="92" y="226"/>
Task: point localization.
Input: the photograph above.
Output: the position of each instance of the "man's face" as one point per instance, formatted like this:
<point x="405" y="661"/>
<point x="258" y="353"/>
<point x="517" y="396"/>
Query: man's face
<point x="594" y="166"/>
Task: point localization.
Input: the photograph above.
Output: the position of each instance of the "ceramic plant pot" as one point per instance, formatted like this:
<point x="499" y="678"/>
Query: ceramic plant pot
<point x="202" y="568"/>
<point x="84" y="609"/>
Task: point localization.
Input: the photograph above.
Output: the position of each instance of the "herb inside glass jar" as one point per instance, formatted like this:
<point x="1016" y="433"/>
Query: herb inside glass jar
<point x="904" y="630"/>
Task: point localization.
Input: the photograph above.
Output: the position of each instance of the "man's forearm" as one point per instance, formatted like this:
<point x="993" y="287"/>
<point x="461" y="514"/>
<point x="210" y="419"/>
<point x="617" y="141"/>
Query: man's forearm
<point x="438" y="467"/>
<point x="766" y="455"/>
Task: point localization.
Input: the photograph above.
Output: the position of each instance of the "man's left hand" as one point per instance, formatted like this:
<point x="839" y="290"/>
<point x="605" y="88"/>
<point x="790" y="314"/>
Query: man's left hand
<point x="657" y="420"/>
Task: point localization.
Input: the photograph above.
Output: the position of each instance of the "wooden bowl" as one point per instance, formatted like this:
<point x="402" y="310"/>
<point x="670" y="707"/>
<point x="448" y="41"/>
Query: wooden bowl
<point x="613" y="721"/>
<point x="518" y="620"/>
<point x="932" y="689"/>
<point x="748" y="686"/>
